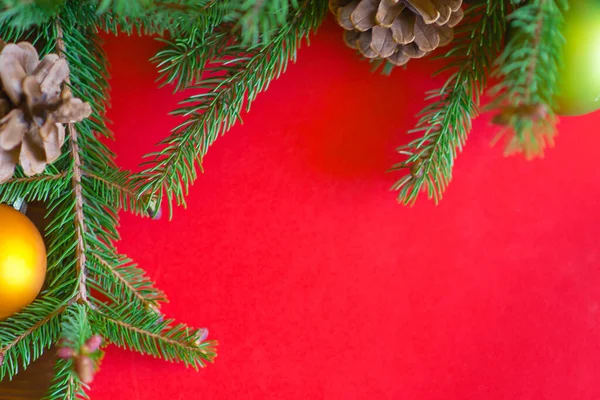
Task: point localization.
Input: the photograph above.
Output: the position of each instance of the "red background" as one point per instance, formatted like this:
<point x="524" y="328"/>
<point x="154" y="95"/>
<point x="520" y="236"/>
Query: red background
<point x="317" y="285"/>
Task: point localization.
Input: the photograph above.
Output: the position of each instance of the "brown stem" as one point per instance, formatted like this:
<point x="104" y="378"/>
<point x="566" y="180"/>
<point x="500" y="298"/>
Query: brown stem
<point x="79" y="217"/>
<point x="77" y="188"/>
<point x="36" y="178"/>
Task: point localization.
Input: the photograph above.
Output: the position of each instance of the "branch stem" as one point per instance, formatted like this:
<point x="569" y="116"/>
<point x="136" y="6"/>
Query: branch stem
<point x="77" y="189"/>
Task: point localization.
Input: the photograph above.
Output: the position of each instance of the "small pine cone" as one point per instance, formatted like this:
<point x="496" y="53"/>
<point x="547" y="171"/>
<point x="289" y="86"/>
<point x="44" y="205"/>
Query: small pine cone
<point x="397" y="30"/>
<point x="34" y="105"/>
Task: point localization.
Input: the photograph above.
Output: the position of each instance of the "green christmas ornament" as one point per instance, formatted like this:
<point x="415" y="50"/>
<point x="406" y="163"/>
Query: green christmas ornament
<point x="579" y="80"/>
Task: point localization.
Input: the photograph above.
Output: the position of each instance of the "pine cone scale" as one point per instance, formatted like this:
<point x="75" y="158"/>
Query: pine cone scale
<point x="403" y="28"/>
<point x="382" y="42"/>
<point x="363" y="16"/>
<point x="12" y="73"/>
<point x="351" y="38"/>
<point x="8" y="162"/>
<point x="54" y="79"/>
<point x="426" y="36"/>
<point x="364" y="44"/>
<point x="455" y="18"/>
<point x="446" y="35"/>
<point x="54" y="136"/>
<point x="343" y="15"/>
<point x="12" y="129"/>
<point x="388" y="11"/>
<point x="424" y="8"/>
<point x="445" y="13"/>
<point x="32" y="157"/>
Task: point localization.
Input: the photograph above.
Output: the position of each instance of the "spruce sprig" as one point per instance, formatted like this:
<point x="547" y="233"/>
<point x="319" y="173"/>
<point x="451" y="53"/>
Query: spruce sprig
<point x="183" y="59"/>
<point x="89" y="285"/>
<point x="527" y="71"/>
<point x="259" y="20"/>
<point x="233" y="80"/>
<point x="445" y="123"/>
<point x="75" y="330"/>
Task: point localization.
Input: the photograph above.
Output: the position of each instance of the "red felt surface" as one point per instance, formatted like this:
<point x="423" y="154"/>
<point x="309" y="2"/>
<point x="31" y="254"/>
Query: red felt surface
<point x="319" y="286"/>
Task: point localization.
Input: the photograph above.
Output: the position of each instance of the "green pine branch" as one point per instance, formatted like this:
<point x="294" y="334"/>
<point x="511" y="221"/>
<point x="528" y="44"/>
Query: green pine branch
<point x="84" y="191"/>
<point x="445" y="123"/>
<point x="147" y="332"/>
<point x="65" y="384"/>
<point x="75" y="330"/>
<point x="35" y="188"/>
<point x="21" y="14"/>
<point x="183" y="59"/>
<point x="259" y="20"/>
<point x="119" y="189"/>
<point x="24" y="337"/>
<point x="233" y="80"/>
<point x="528" y="73"/>
<point x="175" y="17"/>
<point x="119" y="280"/>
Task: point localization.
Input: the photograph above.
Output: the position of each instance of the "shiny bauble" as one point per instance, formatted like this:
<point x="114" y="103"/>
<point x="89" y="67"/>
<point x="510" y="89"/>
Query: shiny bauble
<point x="579" y="77"/>
<point x="22" y="261"/>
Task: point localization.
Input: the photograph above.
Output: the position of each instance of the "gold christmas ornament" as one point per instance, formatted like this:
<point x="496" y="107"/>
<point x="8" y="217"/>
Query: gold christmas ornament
<point x="22" y="261"/>
<point x="34" y="104"/>
<point x="397" y="30"/>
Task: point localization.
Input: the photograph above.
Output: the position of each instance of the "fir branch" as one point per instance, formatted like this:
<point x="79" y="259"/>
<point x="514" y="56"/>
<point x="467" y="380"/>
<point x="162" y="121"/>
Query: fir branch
<point x="25" y="336"/>
<point x="64" y="383"/>
<point x="528" y="72"/>
<point x="176" y="17"/>
<point x="78" y="217"/>
<point x="137" y="8"/>
<point x="75" y="330"/>
<point x="445" y="123"/>
<point x="259" y="20"/>
<point x="118" y="188"/>
<point x="35" y="188"/>
<point x="147" y="332"/>
<point x="121" y="281"/>
<point x="83" y="212"/>
<point x="183" y="59"/>
<point x="21" y="15"/>
<point x="237" y="77"/>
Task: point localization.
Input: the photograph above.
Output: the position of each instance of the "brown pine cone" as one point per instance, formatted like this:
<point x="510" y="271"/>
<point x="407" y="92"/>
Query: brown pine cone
<point x="397" y="30"/>
<point x="34" y="105"/>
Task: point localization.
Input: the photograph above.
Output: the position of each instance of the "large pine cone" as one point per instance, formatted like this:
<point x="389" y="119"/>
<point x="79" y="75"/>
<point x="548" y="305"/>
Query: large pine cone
<point x="34" y="105"/>
<point x="397" y="30"/>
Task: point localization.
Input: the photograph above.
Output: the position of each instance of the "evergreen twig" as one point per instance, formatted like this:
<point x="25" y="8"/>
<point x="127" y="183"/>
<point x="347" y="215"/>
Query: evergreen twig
<point x="259" y="20"/>
<point x="446" y="122"/>
<point x="527" y="71"/>
<point x="149" y="333"/>
<point x="75" y="330"/>
<point x="25" y="336"/>
<point x="235" y="78"/>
